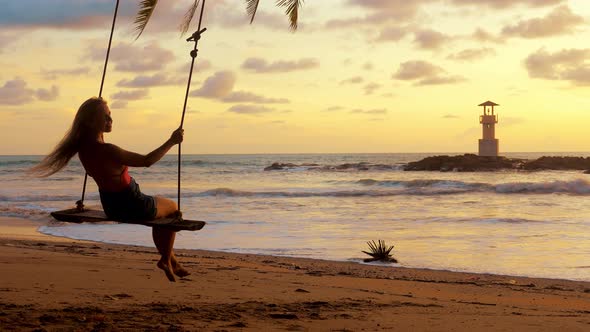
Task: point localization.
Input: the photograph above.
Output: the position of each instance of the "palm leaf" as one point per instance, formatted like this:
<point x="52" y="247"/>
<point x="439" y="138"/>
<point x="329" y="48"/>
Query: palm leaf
<point x="379" y="252"/>
<point x="251" y="7"/>
<point x="188" y="17"/>
<point x="146" y="9"/>
<point x="292" y="10"/>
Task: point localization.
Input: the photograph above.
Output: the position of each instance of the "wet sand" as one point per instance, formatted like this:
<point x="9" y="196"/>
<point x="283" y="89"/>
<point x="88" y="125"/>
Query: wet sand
<point x="55" y="284"/>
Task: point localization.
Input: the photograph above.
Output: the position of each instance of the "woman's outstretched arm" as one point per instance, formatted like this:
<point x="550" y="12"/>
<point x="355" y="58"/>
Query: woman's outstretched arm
<point x="138" y="160"/>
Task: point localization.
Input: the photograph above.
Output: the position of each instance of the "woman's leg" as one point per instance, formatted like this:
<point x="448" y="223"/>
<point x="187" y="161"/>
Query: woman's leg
<point x="165" y="207"/>
<point x="164" y="240"/>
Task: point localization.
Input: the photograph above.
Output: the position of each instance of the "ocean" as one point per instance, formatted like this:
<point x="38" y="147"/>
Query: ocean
<point x="327" y="206"/>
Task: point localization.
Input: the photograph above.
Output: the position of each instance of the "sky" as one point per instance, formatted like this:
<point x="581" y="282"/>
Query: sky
<point x="358" y="76"/>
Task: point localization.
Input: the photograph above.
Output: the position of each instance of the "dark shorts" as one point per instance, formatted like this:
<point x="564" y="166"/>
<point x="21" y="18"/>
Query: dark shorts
<point x="129" y="204"/>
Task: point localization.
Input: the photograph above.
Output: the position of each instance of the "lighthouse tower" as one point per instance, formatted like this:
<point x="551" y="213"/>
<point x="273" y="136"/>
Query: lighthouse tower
<point x="488" y="145"/>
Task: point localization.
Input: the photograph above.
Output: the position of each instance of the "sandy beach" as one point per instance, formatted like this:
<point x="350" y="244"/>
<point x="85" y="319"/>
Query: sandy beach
<point x="51" y="284"/>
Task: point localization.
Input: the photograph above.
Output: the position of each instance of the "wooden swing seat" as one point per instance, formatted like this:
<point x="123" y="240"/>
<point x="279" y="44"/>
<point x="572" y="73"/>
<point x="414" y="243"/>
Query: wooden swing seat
<point x="89" y="215"/>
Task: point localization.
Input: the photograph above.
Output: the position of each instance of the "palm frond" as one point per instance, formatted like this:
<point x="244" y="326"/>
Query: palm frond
<point x="146" y="9"/>
<point x="251" y="7"/>
<point x="292" y="10"/>
<point x="188" y="17"/>
<point x="379" y="252"/>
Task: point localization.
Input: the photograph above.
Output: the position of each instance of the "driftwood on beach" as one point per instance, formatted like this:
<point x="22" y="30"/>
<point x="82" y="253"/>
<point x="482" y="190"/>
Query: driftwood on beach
<point x="475" y="163"/>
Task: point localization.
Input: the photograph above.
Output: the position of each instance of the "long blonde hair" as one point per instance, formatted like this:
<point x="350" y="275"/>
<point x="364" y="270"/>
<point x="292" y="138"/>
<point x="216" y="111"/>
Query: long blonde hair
<point x="83" y="128"/>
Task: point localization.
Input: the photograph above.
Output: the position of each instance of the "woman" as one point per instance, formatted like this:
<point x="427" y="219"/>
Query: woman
<point x="107" y="164"/>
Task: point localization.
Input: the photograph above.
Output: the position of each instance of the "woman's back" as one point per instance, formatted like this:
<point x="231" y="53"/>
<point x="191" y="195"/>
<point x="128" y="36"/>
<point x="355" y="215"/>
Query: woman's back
<point x="100" y="163"/>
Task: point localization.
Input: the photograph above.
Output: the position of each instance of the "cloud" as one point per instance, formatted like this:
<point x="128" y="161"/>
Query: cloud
<point x="62" y="13"/>
<point x="572" y="65"/>
<point x="249" y="97"/>
<point x="347" y="23"/>
<point x="371" y="87"/>
<point x="438" y="80"/>
<point x="412" y="70"/>
<point x="219" y="85"/>
<point x="391" y="34"/>
<point x="368" y="66"/>
<point x="130" y="95"/>
<point x="450" y="116"/>
<point x="352" y="80"/>
<point x="6" y="39"/>
<point x="201" y="65"/>
<point x="369" y="112"/>
<point x="131" y="58"/>
<point x="560" y="21"/>
<point x="227" y="16"/>
<point x="118" y="104"/>
<point x="424" y="73"/>
<point x="430" y="39"/>
<point x="503" y="4"/>
<point x="250" y="109"/>
<point x="578" y="76"/>
<point x="144" y="81"/>
<point x="333" y="109"/>
<point x="123" y="97"/>
<point x="97" y="14"/>
<point x="472" y="54"/>
<point x="381" y="12"/>
<point x="47" y="94"/>
<point x="16" y="92"/>
<point x="481" y="35"/>
<point x="54" y="74"/>
<point x="259" y="65"/>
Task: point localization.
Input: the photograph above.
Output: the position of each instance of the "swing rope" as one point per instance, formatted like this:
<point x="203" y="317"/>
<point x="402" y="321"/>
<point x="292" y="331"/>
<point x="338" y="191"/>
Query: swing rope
<point x="194" y="38"/>
<point x="80" y="203"/>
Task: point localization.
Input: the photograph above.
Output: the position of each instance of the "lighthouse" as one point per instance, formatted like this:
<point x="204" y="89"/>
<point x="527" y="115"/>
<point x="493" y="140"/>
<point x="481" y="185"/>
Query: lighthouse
<point x="488" y="145"/>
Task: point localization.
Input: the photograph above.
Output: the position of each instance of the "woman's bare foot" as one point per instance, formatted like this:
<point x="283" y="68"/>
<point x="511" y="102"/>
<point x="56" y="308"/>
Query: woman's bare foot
<point x="178" y="269"/>
<point x="181" y="271"/>
<point x="166" y="268"/>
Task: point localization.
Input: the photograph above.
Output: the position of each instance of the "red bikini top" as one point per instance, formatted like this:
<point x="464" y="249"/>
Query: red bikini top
<point x="125" y="178"/>
<point x="116" y="186"/>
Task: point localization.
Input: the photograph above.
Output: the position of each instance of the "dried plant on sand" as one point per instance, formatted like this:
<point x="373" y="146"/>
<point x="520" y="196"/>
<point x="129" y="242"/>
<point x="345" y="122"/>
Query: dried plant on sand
<point x="379" y="252"/>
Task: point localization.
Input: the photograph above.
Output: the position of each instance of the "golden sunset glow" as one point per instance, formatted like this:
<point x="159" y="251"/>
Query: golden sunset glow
<point x="357" y="76"/>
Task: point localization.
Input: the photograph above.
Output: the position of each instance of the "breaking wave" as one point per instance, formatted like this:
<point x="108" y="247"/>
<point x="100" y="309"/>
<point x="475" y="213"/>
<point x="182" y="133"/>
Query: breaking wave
<point x="201" y="163"/>
<point x="577" y="187"/>
<point x="24" y="212"/>
<point x="370" y="188"/>
<point x="348" y="167"/>
<point x="417" y="187"/>
<point x="574" y="187"/>
<point x="45" y="198"/>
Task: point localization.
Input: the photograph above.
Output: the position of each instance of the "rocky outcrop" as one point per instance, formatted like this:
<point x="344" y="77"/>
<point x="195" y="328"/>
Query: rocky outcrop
<point x="558" y="163"/>
<point x="279" y="166"/>
<point x="460" y="163"/>
<point x="464" y="163"/>
<point x="473" y="163"/>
